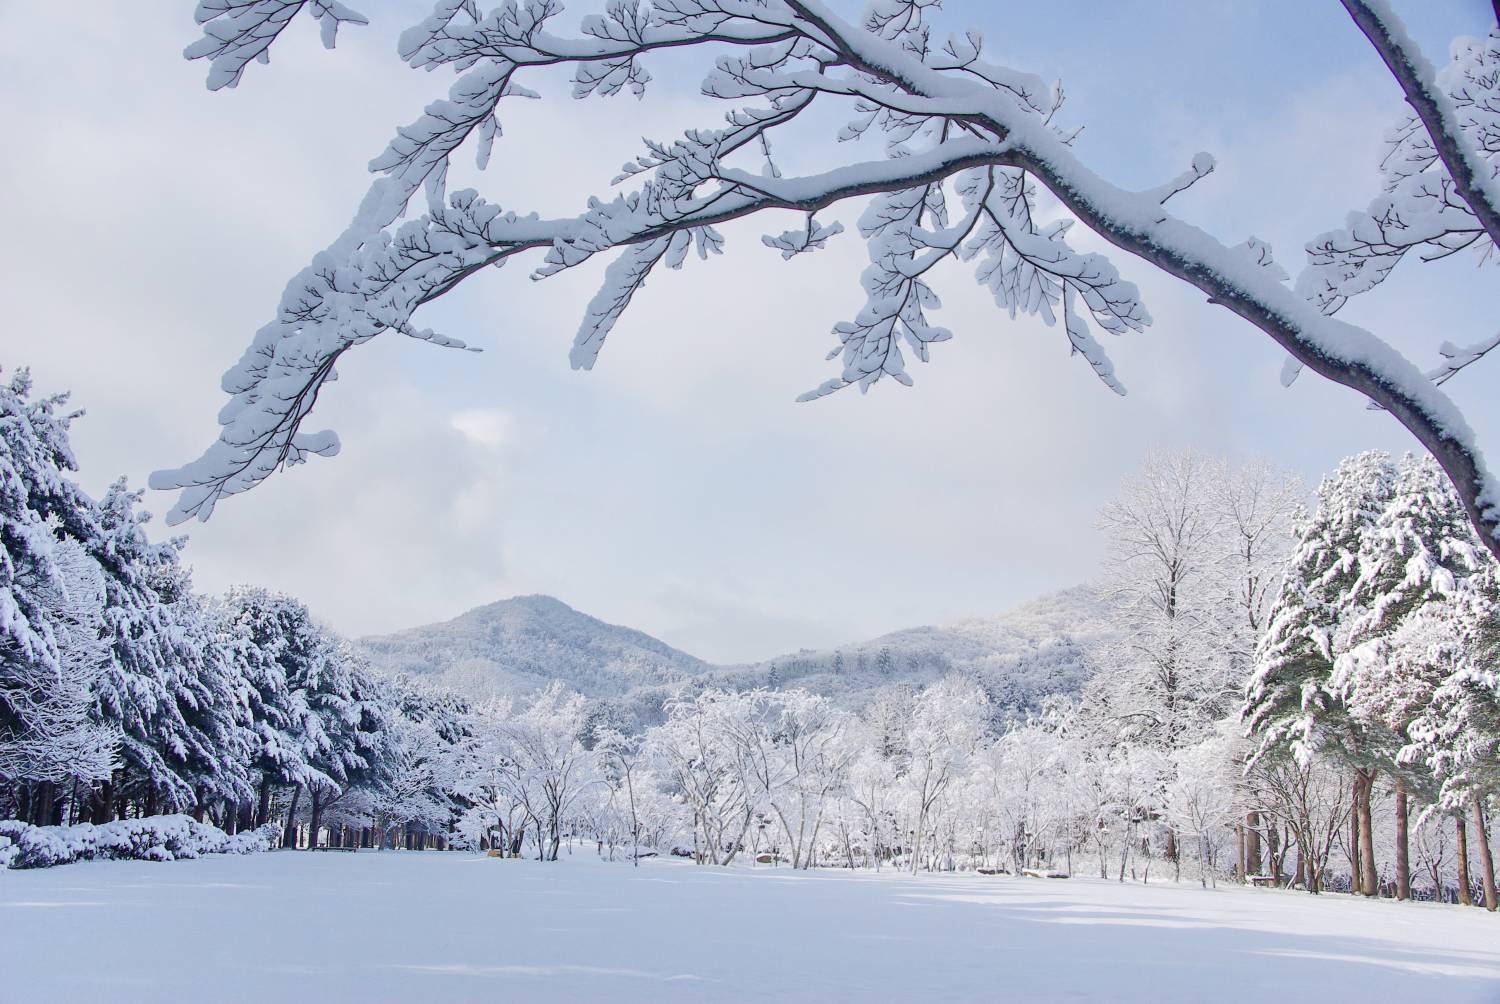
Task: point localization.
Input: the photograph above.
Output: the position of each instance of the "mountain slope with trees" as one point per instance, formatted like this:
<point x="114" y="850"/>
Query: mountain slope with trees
<point x="519" y="645"/>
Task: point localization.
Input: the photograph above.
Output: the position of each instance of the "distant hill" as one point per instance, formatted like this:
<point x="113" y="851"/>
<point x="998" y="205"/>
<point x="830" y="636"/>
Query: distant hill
<point x="517" y="646"/>
<point x="520" y="645"/>
<point x="1020" y="657"/>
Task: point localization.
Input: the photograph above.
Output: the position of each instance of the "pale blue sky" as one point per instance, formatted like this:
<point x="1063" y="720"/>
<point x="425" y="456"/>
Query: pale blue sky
<point x="677" y="488"/>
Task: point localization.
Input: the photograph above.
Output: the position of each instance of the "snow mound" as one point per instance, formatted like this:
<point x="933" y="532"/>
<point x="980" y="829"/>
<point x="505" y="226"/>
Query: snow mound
<point x="154" y="838"/>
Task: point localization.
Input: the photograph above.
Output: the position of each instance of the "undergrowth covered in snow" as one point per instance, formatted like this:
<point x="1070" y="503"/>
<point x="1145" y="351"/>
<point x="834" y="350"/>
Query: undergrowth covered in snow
<point x="154" y="838"/>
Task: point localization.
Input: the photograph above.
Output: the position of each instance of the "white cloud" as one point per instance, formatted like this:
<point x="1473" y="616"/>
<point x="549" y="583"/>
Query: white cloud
<point x="489" y="427"/>
<point x="676" y="487"/>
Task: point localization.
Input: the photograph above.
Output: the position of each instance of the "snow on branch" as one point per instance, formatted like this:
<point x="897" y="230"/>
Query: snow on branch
<point x="967" y="149"/>
<point x="1464" y="125"/>
<point x="235" y="32"/>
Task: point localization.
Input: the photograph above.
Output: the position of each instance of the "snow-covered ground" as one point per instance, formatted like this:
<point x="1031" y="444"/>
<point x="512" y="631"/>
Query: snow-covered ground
<point x="372" y="927"/>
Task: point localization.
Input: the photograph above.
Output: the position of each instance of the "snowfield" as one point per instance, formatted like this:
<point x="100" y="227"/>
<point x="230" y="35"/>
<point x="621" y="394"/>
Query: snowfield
<point x="391" y="926"/>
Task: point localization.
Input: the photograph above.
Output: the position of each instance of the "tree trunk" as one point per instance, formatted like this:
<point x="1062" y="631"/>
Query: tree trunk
<point x="263" y="809"/>
<point x="42" y="803"/>
<point x="1366" y="835"/>
<point x="1465" y="886"/>
<point x="104" y="802"/>
<point x="1354" y="859"/>
<point x="1252" y="844"/>
<point x="1486" y="862"/>
<point x="1403" y="847"/>
<point x="315" y="817"/>
<point x="289" y="834"/>
<point x="151" y="800"/>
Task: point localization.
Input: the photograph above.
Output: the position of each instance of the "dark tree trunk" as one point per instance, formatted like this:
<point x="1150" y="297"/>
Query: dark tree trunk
<point x="1403" y="847"/>
<point x="1355" y="883"/>
<point x="1465" y="881"/>
<point x="289" y="834"/>
<point x="315" y="817"/>
<point x="46" y="793"/>
<point x="1366" y="835"/>
<point x="1486" y="862"/>
<point x="151" y="800"/>
<point x="263" y="810"/>
<point x="247" y="815"/>
<point x="104" y="803"/>
<point x="1252" y="844"/>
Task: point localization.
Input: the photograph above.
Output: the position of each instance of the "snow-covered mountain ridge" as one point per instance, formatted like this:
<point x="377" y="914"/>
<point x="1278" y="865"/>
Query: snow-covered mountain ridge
<point x="519" y="645"/>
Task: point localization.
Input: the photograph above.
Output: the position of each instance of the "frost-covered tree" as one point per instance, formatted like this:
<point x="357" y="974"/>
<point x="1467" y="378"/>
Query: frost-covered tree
<point x="1256" y="508"/>
<point x="976" y="165"/>
<point x="1201" y="800"/>
<point x="552" y="767"/>
<point x="51" y="597"/>
<point x="1419" y="555"/>
<point x="50" y="735"/>
<point x="794" y="745"/>
<point x="1292" y="702"/>
<point x="944" y="732"/>
<point x="693" y="753"/>
<point x="1170" y="672"/>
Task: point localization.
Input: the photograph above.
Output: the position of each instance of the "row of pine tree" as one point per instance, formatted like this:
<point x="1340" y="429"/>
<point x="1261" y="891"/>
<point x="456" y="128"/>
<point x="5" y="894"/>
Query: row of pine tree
<point x="123" y="692"/>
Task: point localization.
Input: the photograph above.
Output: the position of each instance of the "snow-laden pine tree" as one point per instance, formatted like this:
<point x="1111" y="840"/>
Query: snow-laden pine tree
<point x="973" y="163"/>
<point x="1456" y="735"/>
<point x="171" y="700"/>
<point x="1420" y="554"/>
<point x="1292" y="704"/>
<point x="275" y="643"/>
<point x="1290" y="695"/>
<point x="50" y="597"/>
<point x="51" y="737"/>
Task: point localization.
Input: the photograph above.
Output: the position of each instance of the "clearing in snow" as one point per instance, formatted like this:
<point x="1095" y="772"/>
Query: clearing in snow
<point x="388" y="926"/>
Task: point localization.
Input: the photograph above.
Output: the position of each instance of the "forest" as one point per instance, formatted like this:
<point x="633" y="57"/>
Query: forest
<point x="1299" y="691"/>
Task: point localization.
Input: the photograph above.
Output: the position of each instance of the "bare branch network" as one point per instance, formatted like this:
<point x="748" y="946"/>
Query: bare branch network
<point x="968" y="146"/>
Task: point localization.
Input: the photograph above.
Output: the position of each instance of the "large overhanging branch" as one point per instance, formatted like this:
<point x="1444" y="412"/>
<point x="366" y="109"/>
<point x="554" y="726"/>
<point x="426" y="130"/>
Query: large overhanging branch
<point x="1136" y="223"/>
<point x="1472" y="174"/>
<point x="951" y="123"/>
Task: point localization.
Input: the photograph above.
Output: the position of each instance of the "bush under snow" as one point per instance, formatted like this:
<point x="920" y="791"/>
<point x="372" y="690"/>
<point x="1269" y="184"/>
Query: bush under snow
<point x="154" y="838"/>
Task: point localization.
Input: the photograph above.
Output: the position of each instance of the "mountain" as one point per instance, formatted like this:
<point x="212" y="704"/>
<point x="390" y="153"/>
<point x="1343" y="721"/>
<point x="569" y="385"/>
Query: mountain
<point x="517" y="646"/>
<point x="1020" y="657"/>
<point x="520" y="645"/>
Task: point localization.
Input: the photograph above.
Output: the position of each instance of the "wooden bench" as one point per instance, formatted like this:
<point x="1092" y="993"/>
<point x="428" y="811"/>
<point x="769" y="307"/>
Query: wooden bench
<point x="1262" y="881"/>
<point x="1042" y="873"/>
<point x="325" y="847"/>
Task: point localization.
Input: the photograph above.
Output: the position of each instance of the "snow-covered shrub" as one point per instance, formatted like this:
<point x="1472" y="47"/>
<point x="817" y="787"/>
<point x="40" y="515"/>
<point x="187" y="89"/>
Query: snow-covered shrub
<point x="10" y="829"/>
<point x="154" y="838"/>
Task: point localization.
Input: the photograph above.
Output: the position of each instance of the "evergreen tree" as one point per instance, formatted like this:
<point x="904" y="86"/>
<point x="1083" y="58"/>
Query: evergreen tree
<point x="1293" y="703"/>
<point x="49" y="597"/>
<point x="1290" y="700"/>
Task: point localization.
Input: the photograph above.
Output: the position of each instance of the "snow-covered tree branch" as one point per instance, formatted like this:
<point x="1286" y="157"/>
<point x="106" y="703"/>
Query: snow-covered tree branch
<point x="969" y="149"/>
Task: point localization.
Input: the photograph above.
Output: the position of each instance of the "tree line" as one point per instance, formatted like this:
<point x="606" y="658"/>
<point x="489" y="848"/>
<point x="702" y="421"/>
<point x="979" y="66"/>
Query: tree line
<point x="125" y="693"/>
<point x="1293" y="696"/>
